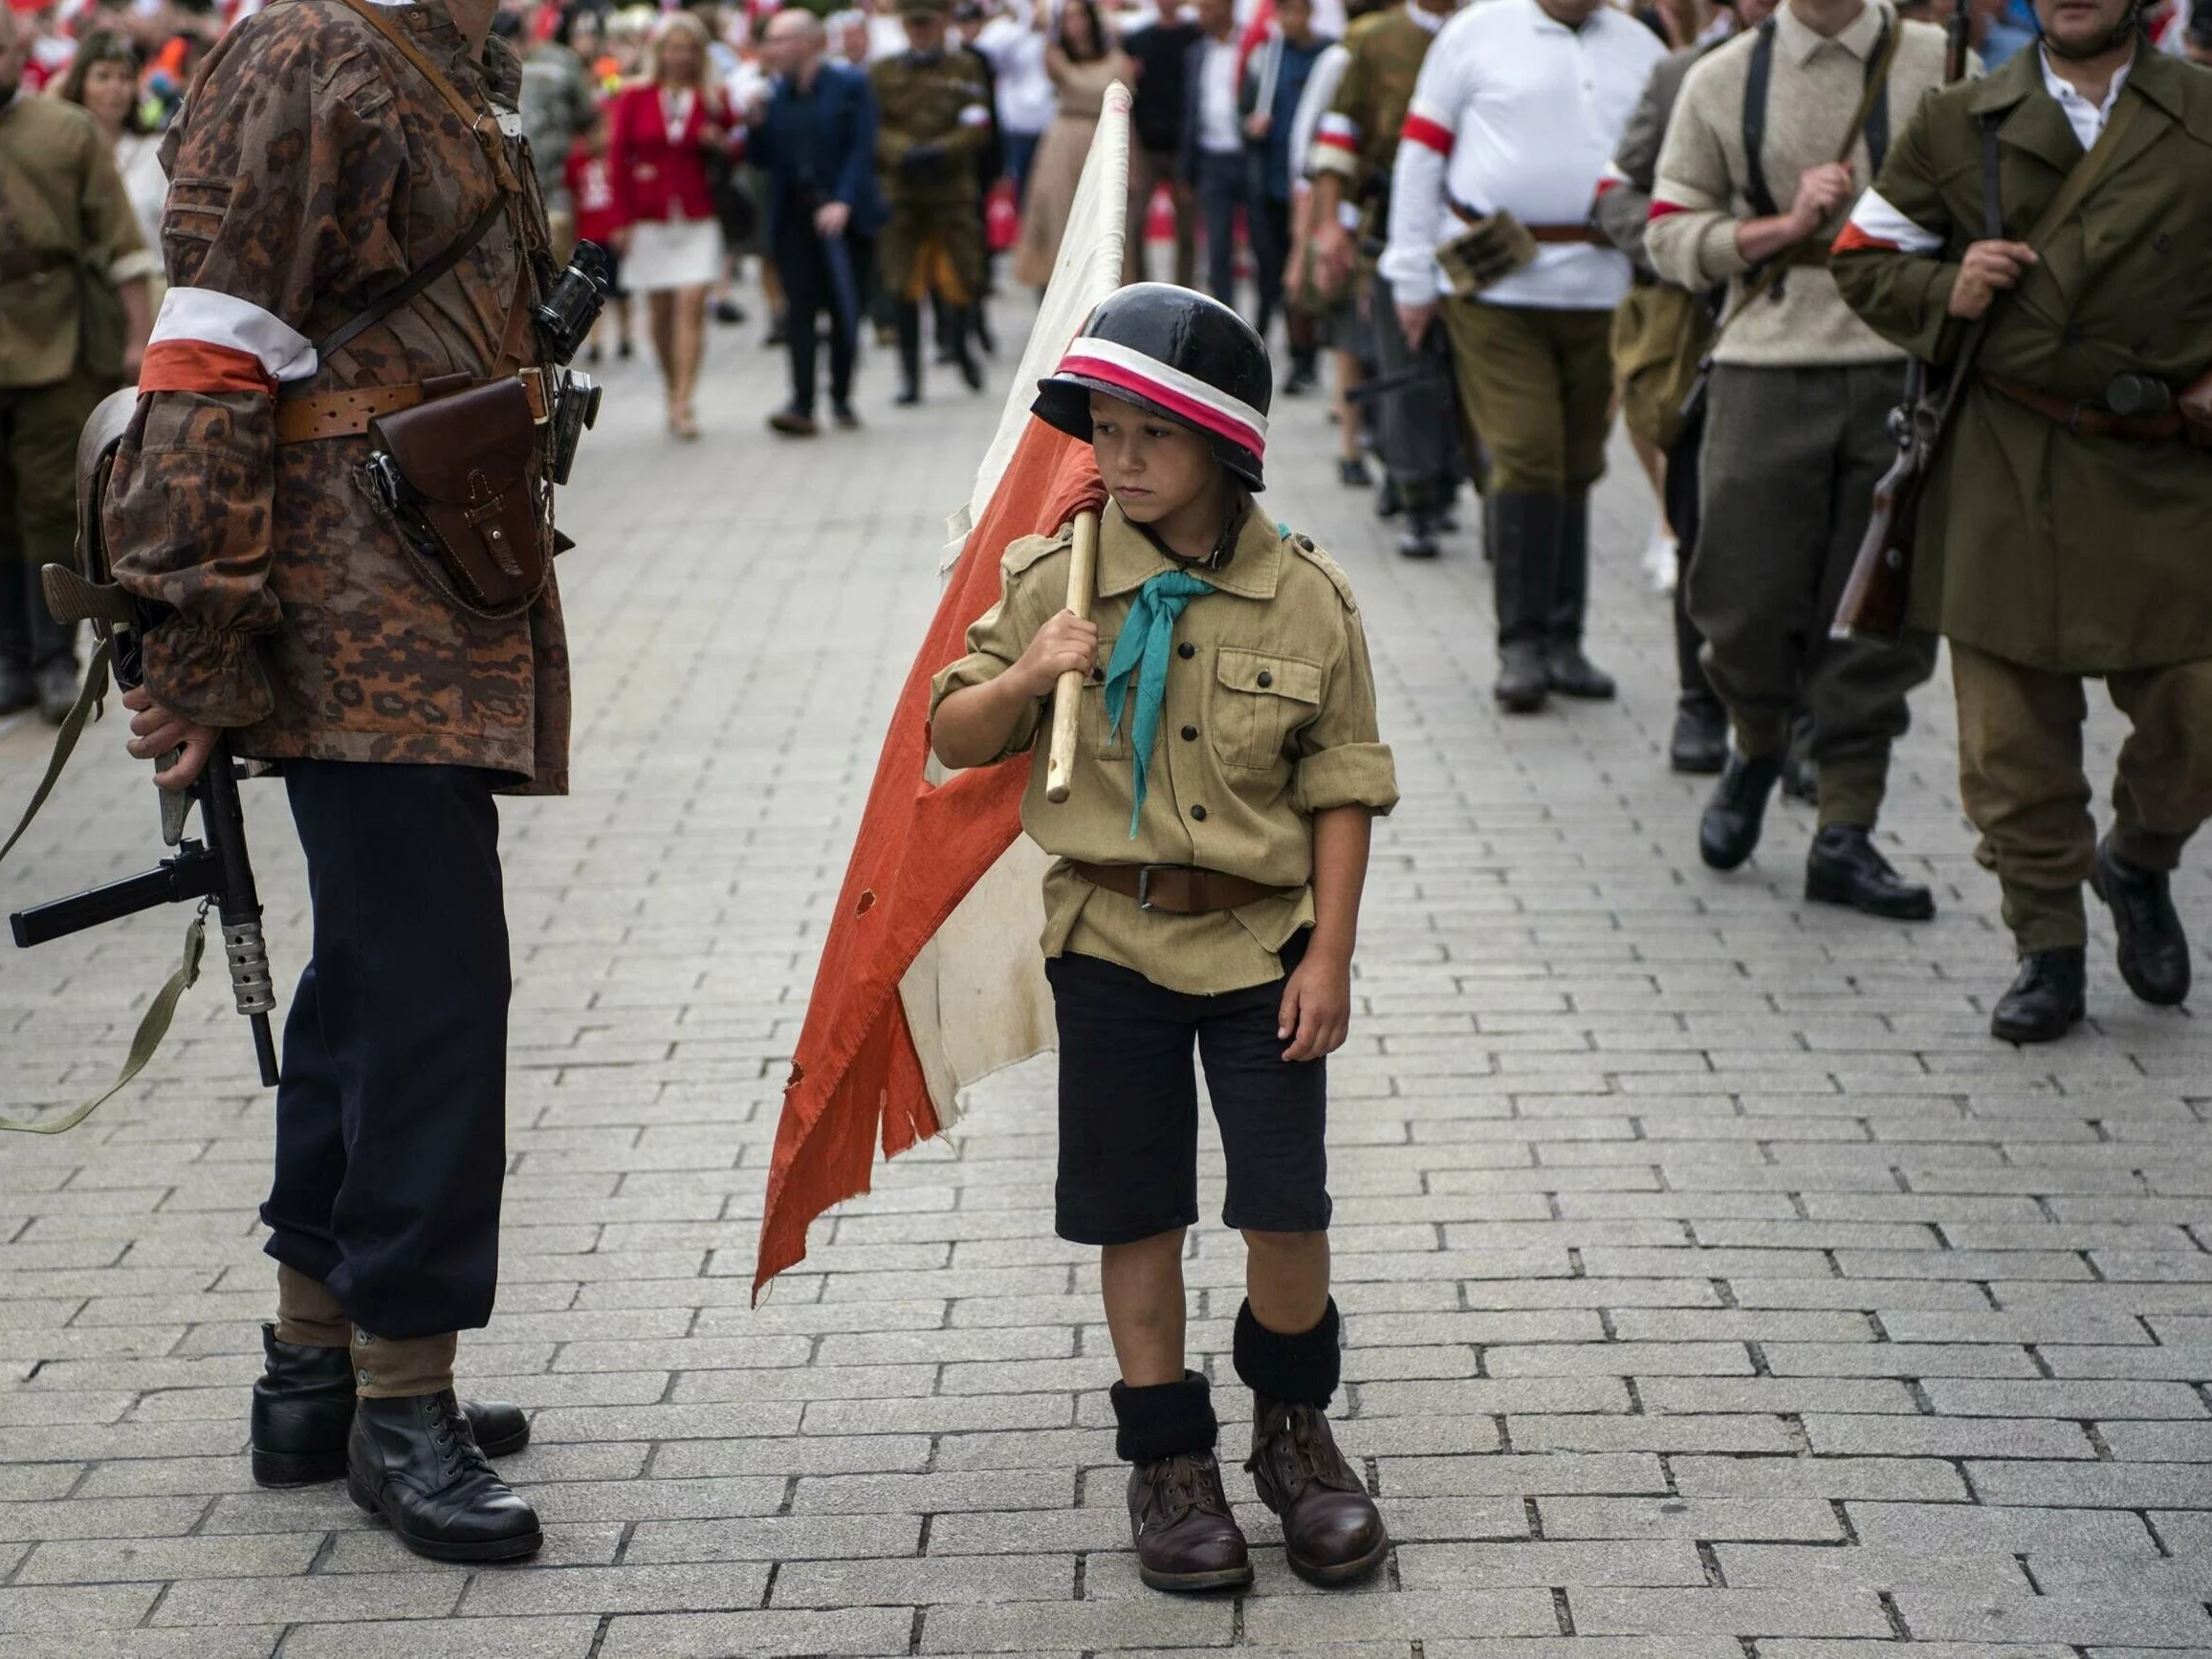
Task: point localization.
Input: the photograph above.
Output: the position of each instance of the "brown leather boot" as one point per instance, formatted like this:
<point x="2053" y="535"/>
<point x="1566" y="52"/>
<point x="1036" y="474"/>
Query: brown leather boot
<point x="1331" y="1529"/>
<point x="1186" y="1536"/>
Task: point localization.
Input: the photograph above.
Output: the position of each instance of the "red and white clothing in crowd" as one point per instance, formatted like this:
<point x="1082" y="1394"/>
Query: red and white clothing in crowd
<point x="1515" y="111"/>
<point x="591" y="188"/>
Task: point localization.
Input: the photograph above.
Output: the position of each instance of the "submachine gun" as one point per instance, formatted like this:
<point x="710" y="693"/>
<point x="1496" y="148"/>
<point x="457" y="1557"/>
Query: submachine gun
<point x="214" y="869"/>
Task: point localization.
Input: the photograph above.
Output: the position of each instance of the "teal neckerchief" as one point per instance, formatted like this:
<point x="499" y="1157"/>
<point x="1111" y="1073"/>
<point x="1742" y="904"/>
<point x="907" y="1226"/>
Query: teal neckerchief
<point x="1141" y="653"/>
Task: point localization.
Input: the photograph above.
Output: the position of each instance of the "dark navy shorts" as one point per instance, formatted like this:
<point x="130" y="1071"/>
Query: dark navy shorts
<point x="1128" y="1107"/>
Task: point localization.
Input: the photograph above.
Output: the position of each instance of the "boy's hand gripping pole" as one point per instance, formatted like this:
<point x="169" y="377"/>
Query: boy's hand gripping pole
<point x="1068" y="695"/>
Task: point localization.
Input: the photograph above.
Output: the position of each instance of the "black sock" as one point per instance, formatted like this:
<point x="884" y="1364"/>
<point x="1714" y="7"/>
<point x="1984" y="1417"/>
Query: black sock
<point x="1301" y="1369"/>
<point x="1165" y="1420"/>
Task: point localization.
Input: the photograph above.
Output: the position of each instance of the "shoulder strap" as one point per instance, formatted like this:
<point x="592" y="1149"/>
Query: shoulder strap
<point x="479" y="121"/>
<point x="400" y="292"/>
<point x="1758" y="82"/>
<point x="1992" y="198"/>
<point x="1874" y="114"/>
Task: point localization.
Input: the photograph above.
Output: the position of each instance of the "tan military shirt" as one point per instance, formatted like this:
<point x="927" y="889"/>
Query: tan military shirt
<point x="1269" y="718"/>
<point x="63" y="210"/>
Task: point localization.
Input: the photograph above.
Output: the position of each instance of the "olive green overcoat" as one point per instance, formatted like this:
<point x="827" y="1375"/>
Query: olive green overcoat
<point x="2073" y="554"/>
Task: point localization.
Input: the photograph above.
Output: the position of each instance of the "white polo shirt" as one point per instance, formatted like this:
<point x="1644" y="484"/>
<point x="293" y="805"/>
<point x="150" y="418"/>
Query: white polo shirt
<point x="1515" y="111"/>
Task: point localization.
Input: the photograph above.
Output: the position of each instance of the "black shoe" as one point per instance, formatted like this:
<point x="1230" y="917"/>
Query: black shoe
<point x="1574" y="675"/>
<point x="18" y="690"/>
<point x="1418" y="539"/>
<point x="414" y="1463"/>
<point x="1699" y="745"/>
<point x="1301" y="382"/>
<point x="1729" y="830"/>
<point x="1522" y="682"/>
<point x="729" y="312"/>
<point x="2045" y="999"/>
<point x="844" y="419"/>
<point x="1389" y="503"/>
<point x="1352" y="471"/>
<point x="1447" y="521"/>
<point x="592" y="354"/>
<point x="2153" y="951"/>
<point x="1845" y="867"/>
<point x="303" y="1405"/>
<point x="57" y="689"/>
<point x="626" y="351"/>
<point x="970" y="368"/>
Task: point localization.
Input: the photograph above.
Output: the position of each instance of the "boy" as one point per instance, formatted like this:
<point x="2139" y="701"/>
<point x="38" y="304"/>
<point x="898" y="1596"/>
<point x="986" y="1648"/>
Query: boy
<point x="1207" y="888"/>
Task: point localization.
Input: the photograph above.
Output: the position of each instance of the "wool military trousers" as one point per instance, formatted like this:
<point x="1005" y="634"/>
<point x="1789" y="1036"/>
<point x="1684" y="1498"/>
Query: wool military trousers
<point x="391" y="1118"/>
<point x="39" y="432"/>
<point x="1539" y="387"/>
<point x="1417" y="421"/>
<point x="1790" y="464"/>
<point x="2020" y="778"/>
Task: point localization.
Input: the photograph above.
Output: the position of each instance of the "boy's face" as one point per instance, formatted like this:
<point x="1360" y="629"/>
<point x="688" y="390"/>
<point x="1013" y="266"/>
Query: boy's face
<point x="1151" y="466"/>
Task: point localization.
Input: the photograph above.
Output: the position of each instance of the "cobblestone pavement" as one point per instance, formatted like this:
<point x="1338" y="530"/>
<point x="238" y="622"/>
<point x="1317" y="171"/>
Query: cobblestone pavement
<point x="1715" y="1287"/>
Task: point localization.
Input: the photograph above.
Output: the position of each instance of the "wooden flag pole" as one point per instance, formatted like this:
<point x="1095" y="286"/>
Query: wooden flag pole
<point x="1068" y="695"/>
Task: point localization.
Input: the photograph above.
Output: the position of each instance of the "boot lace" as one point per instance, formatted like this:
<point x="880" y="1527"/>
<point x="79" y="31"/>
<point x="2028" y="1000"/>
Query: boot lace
<point x="1188" y="1484"/>
<point x="455" y="1442"/>
<point x="1299" y="1451"/>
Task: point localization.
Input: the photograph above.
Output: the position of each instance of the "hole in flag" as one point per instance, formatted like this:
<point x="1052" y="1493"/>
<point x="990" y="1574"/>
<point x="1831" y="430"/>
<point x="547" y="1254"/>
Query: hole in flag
<point x="868" y="901"/>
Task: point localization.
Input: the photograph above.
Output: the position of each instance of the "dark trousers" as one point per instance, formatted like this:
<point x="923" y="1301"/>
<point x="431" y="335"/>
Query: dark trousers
<point x="39" y="432"/>
<point x="1224" y="184"/>
<point x="1020" y="153"/>
<point x="1416" y="421"/>
<point x="1682" y="518"/>
<point x="1270" y="223"/>
<point x="391" y="1118"/>
<point x="803" y="260"/>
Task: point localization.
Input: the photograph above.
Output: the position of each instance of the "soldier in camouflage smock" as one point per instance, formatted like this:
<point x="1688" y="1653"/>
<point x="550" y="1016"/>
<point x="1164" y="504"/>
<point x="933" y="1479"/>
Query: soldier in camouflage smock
<point x="318" y="165"/>
<point x="1416" y="421"/>
<point x="936" y="120"/>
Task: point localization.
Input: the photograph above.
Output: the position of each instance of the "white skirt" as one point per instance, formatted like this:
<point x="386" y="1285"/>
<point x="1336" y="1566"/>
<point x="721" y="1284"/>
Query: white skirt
<point x="673" y="253"/>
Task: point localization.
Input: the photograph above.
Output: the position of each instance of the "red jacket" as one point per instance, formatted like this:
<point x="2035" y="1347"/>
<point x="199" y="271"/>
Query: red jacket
<point x="651" y="176"/>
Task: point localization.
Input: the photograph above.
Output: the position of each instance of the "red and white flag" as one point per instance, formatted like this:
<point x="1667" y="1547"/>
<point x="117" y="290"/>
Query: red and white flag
<point x="930" y="977"/>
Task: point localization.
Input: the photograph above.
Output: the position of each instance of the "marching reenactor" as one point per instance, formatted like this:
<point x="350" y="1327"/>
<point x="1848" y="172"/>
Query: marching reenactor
<point x="1516" y="114"/>
<point x="936" y="120"/>
<point x="335" y="158"/>
<point x="2042" y="237"/>
<point x="1797" y="420"/>
<point x="1417" y="421"/>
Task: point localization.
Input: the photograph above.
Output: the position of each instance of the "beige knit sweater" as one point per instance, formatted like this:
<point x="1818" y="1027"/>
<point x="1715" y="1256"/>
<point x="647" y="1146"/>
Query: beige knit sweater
<point x="1700" y="195"/>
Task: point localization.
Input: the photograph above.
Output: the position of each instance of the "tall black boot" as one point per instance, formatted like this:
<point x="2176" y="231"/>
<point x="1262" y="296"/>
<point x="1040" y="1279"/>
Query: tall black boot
<point x="1571" y="673"/>
<point x="909" y="319"/>
<point x="1699" y="744"/>
<point x="1527" y="550"/>
<point x="963" y="323"/>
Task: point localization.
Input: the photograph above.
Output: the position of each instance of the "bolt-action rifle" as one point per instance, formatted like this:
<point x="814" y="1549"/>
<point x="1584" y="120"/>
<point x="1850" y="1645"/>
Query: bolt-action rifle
<point x="1880" y="585"/>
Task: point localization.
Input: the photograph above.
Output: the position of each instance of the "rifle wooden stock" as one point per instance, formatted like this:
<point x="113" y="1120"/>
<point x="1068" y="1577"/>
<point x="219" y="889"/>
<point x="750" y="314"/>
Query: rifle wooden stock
<point x="1876" y="598"/>
<point x="1068" y="695"/>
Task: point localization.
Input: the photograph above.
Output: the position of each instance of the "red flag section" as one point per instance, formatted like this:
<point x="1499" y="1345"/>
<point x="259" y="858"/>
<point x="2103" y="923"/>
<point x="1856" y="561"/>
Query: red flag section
<point x="855" y="1078"/>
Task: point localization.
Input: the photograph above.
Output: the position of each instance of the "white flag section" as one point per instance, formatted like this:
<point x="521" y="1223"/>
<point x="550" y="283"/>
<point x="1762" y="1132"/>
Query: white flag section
<point x="975" y="998"/>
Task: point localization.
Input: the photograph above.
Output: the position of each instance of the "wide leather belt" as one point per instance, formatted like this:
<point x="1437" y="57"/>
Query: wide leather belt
<point x="1181" y="889"/>
<point x="347" y="413"/>
<point x="2087" y="419"/>
<point x="1589" y="233"/>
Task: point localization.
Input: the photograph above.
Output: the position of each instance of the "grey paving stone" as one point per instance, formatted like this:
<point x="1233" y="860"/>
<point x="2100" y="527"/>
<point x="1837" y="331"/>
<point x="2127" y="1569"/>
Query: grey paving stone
<point x="1754" y="1613"/>
<point x="858" y="1630"/>
<point x="531" y="1638"/>
<point x="2079" y="1619"/>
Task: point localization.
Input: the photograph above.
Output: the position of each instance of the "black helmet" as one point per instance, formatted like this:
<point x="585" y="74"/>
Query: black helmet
<point x="1178" y="354"/>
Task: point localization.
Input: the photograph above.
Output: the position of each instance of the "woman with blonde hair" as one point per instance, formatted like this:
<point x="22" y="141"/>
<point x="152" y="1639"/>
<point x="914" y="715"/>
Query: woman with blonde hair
<point x="663" y="130"/>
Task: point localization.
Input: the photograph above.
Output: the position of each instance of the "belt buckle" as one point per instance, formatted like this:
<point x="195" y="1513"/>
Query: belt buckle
<point x="534" y="386"/>
<point x="1144" y="884"/>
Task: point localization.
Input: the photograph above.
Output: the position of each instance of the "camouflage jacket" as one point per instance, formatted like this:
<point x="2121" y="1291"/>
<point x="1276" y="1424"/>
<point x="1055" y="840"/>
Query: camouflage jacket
<point x="1358" y="137"/>
<point x="313" y="168"/>
<point x="939" y="101"/>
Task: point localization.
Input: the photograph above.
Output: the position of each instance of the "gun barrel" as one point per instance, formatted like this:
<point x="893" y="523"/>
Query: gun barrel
<point x="193" y="873"/>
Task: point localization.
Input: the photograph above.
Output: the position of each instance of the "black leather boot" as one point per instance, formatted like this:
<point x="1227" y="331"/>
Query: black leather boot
<point x="1699" y="745"/>
<point x="303" y="1405"/>
<point x="964" y="358"/>
<point x="910" y="333"/>
<point x="414" y="1463"/>
<point x="2154" y="950"/>
<point x="1527" y="549"/>
<point x="1729" y="830"/>
<point x="1389" y="501"/>
<point x="1845" y="867"/>
<point x="1418" y="539"/>
<point x="1571" y="673"/>
<point x="2045" y="998"/>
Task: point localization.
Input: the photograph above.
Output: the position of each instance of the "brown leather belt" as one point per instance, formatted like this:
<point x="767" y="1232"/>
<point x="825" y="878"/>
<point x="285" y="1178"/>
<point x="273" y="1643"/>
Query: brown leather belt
<point x="347" y="413"/>
<point x="1181" y="889"/>
<point x="2087" y="419"/>
<point x="1589" y="233"/>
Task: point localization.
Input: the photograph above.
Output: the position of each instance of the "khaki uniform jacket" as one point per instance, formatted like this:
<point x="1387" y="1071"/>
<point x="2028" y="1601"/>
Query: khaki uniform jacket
<point x="312" y="169"/>
<point x="64" y="220"/>
<point x="942" y="100"/>
<point x="1269" y="718"/>
<point x="1387" y="49"/>
<point x="2070" y="554"/>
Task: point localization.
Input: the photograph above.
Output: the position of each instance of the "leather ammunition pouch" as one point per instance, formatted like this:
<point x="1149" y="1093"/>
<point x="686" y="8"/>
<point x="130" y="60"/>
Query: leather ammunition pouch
<point x="459" y="474"/>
